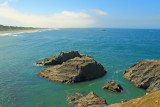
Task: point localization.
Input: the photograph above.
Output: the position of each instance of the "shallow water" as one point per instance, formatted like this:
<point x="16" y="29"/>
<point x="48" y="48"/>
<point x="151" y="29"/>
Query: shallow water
<point x="115" y="49"/>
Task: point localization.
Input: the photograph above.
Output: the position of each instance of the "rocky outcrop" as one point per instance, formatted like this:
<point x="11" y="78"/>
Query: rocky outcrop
<point x="74" y="70"/>
<point x="149" y="100"/>
<point x="62" y="57"/>
<point x="91" y="100"/>
<point x="145" y="74"/>
<point x="113" y="86"/>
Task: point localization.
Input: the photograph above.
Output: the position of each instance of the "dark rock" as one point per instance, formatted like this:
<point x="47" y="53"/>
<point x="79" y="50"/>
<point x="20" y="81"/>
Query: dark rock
<point x="91" y="100"/>
<point x="78" y="69"/>
<point x="39" y="63"/>
<point x="60" y="58"/>
<point x="78" y="95"/>
<point x="124" y="101"/>
<point x="72" y="98"/>
<point x="102" y="30"/>
<point x="113" y="86"/>
<point x="145" y="74"/>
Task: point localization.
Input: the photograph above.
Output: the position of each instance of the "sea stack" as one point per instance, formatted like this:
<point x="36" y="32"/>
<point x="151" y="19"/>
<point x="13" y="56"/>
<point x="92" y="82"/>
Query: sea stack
<point x="73" y="69"/>
<point x="145" y="74"/>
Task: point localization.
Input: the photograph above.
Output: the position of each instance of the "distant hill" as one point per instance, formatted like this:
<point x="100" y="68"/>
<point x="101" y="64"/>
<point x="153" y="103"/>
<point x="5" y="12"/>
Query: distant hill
<point x="14" y="28"/>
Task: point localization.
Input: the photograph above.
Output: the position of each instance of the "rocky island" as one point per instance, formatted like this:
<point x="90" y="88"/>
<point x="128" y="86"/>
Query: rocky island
<point x="145" y="74"/>
<point x="71" y="67"/>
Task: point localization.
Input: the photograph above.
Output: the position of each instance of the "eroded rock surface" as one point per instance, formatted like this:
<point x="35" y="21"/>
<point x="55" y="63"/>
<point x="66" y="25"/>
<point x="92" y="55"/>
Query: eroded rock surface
<point x="74" y="70"/>
<point x="113" y="86"/>
<point x="145" y="74"/>
<point x="62" y="57"/>
<point x="91" y="100"/>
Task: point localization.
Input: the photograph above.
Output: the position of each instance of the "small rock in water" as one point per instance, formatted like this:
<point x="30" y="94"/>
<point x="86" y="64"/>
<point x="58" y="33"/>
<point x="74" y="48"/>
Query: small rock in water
<point x="113" y="86"/>
<point x="124" y="101"/>
<point x="91" y="100"/>
<point x="72" y="98"/>
<point x="78" y="95"/>
<point x="39" y="63"/>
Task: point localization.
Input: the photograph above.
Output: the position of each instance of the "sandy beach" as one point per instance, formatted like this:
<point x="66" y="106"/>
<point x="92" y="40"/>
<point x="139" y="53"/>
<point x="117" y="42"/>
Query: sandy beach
<point x="19" y="31"/>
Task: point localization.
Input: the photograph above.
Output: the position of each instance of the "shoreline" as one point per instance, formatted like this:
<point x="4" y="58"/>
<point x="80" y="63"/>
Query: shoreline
<point x="22" y="31"/>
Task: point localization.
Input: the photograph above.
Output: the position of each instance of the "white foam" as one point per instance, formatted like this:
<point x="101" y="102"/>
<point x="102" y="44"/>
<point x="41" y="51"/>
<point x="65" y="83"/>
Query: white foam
<point x="17" y="33"/>
<point x="10" y="34"/>
<point x="37" y="64"/>
<point x="149" y="59"/>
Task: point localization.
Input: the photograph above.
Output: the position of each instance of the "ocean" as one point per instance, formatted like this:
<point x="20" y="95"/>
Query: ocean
<point x="115" y="49"/>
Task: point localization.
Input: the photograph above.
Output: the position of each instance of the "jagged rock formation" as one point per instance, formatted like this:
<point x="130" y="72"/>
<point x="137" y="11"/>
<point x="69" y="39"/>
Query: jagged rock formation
<point x="77" y="69"/>
<point x="62" y="57"/>
<point x="145" y="74"/>
<point x="91" y="100"/>
<point x="113" y="86"/>
<point x="149" y="100"/>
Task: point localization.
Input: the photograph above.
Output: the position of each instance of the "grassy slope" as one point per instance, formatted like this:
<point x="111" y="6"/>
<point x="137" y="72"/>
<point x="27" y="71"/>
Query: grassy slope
<point x="149" y="100"/>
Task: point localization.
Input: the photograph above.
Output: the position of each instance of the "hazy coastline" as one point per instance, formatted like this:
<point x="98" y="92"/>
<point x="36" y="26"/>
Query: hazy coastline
<point x="20" y="31"/>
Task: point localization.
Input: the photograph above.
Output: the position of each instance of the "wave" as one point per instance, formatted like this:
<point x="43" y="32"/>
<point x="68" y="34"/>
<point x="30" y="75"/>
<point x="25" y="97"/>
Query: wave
<point x="150" y="59"/>
<point x="34" y="64"/>
<point x="10" y="34"/>
<point x="17" y="33"/>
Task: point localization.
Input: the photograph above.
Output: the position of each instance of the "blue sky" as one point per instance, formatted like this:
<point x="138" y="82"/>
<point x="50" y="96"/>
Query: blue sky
<point x="81" y="13"/>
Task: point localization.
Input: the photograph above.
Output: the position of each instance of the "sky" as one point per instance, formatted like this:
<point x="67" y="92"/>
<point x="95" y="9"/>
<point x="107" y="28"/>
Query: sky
<point x="81" y="13"/>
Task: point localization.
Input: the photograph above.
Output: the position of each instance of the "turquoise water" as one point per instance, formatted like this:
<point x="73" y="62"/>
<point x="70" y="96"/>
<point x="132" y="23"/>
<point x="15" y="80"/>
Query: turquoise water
<point x="115" y="49"/>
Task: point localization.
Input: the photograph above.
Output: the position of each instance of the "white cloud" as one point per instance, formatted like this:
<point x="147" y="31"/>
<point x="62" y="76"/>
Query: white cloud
<point x="64" y="19"/>
<point x="100" y="12"/>
<point x="3" y="4"/>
